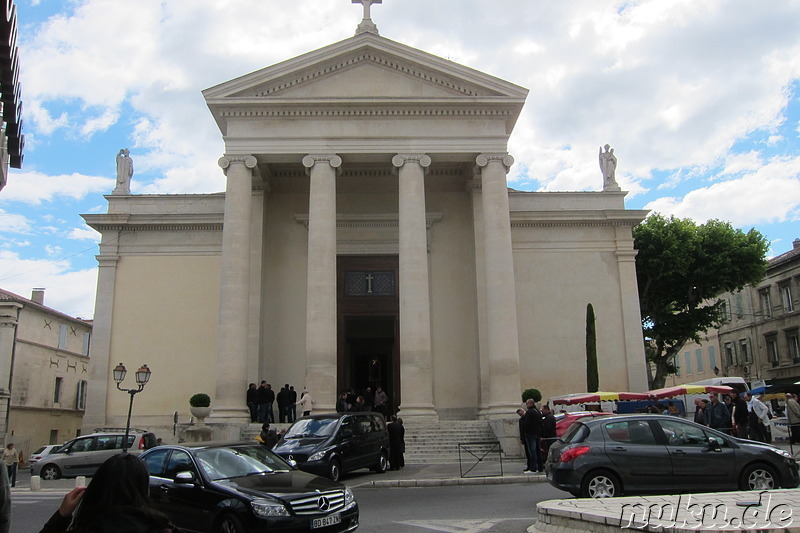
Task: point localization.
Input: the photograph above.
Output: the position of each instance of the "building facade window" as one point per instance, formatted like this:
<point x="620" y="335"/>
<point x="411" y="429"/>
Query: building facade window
<point x="739" y="305"/>
<point x="766" y="303"/>
<point x="786" y="296"/>
<point x="87" y="338"/>
<point x="699" y="355"/>
<point x="676" y="360"/>
<point x="80" y="397"/>
<point x="712" y="359"/>
<point x="57" y="390"/>
<point x="725" y="311"/>
<point x="688" y="357"/>
<point x="730" y="354"/>
<point x="62" y="337"/>
<point x="745" y="354"/>
<point x="793" y="343"/>
<point x="772" y="350"/>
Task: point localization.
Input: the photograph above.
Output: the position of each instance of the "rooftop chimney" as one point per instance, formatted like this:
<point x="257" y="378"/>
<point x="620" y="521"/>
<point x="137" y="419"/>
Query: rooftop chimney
<point x="796" y="243"/>
<point x="37" y="295"/>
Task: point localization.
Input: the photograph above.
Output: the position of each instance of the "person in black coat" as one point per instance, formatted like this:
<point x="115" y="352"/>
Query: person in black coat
<point x="521" y="413"/>
<point x="397" y="443"/>
<point x="252" y="402"/>
<point x="548" y="429"/>
<point x="532" y="427"/>
<point x="284" y="399"/>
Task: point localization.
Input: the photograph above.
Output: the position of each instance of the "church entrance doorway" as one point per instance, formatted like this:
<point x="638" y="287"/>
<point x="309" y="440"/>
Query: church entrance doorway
<point x="368" y="353"/>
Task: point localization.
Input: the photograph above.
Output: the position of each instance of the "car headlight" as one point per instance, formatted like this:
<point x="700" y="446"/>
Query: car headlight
<point x="782" y="453"/>
<point x="349" y="498"/>
<point x="319" y="456"/>
<point x="267" y="508"/>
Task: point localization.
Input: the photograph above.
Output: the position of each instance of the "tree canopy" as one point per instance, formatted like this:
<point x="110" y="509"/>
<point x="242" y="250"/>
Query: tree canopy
<point x="681" y="268"/>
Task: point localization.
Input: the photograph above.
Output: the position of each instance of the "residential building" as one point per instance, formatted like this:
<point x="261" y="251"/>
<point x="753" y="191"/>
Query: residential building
<point x="760" y="337"/>
<point x="45" y="367"/>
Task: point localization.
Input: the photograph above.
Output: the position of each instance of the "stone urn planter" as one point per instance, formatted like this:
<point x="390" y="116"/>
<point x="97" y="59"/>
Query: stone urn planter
<point x="200" y="407"/>
<point x="200" y="414"/>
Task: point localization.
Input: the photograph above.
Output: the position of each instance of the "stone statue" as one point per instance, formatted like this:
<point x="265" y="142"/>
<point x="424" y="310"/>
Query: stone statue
<point x="367" y="26"/>
<point x="608" y="165"/>
<point x="124" y="172"/>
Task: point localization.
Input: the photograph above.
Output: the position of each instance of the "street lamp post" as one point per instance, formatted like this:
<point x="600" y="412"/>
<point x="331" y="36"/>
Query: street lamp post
<point x="142" y="377"/>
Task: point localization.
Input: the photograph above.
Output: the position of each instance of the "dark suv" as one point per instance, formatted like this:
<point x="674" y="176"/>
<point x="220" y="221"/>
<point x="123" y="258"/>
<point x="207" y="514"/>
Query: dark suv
<point x="333" y="444"/>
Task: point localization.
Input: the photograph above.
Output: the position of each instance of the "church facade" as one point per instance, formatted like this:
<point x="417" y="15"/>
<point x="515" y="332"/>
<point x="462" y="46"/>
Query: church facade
<point x="367" y="236"/>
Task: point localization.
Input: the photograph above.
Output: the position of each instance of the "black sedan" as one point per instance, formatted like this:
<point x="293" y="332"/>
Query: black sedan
<point x="605" y="457"/>
<point x="239" y="488"/>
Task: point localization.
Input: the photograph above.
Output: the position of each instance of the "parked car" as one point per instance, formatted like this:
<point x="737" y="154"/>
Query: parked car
<point x="333" y="444"/>
<point x="83" y="455"/>
<point x="608" y="456"/>
<point x="565" y="420"/>
<point x="240" y="488"/>
<point x="41" y="452"/>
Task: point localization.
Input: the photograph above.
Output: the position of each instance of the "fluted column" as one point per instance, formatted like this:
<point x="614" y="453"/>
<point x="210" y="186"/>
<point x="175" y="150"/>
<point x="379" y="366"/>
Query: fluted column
<point x="232" y="342"/>
<point x="501" y="327"/>
<point x="416" y="359"/>
<point x="321" y="344"/>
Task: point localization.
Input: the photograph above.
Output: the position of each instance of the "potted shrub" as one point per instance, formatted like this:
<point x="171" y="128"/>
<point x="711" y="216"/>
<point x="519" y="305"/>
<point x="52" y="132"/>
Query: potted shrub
<point x="200" y="406"/>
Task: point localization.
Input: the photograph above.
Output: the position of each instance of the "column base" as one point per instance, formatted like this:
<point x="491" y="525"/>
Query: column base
<point x="502" y="410"/>
<point x="229" y="415"/>
<point x="418" y="413"/>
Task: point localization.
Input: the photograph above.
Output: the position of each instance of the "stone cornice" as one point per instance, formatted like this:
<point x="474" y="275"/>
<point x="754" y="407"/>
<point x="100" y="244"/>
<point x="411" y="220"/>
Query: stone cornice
<point x="549" y="219"/>
<point x="119" y="222"/>
<point x="336" y="109"/>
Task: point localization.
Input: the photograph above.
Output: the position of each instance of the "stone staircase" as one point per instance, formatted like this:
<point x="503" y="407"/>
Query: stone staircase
<point x="438" y="442"/>
<point x="431" y="442"/>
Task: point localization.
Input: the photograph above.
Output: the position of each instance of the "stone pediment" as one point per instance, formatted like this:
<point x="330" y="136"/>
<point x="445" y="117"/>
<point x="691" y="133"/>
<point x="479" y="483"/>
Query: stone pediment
<point x="366" y="66"/>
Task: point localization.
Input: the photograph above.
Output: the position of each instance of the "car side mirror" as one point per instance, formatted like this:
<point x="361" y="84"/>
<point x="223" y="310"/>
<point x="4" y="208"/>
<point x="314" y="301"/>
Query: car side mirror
<point x="714" y="445"/>
<point x="347" y="433"/>
<point x="292" y="463"/>
<point x="186" y="477"/>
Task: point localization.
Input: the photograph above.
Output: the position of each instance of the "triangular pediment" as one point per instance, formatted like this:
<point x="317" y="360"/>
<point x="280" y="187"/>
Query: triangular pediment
<point x="364" y="66"/>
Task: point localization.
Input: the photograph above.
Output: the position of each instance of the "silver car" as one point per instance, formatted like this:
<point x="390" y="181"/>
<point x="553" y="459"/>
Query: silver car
<point x="83" y="455"/>
<point x="41" y="452"/>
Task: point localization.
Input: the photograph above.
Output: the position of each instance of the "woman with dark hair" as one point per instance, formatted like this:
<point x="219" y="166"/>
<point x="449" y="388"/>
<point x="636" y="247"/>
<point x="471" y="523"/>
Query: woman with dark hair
<point x="117" y="499"/>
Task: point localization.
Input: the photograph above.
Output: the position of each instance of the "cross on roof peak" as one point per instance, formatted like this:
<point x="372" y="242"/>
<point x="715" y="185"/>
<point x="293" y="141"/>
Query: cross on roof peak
<point x="367" y="26"/>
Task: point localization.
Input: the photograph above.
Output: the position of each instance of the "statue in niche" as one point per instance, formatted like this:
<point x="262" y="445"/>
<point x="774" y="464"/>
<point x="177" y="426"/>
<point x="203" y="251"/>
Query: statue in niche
<point x="608" y="165"/>
<point x="124" y="172"/>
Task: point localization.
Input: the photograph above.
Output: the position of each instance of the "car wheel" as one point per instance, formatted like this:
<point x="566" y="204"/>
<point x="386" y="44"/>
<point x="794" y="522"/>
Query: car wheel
<point x="601" y="484"/>
<point x="334" y="470"/>
<point x="382" y="464"/>
<point x="50" y="472"/>
<point x="230" y="523"/>
<point x="759" y="477"/>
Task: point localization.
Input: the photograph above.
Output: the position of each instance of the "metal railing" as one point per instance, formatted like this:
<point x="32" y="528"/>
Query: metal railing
<point x="480" y="453"/>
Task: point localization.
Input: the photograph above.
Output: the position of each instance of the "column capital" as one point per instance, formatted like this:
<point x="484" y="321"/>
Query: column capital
<point x="484" y="159"/>
<point x="312" y="159"/>
<point x="226" y="161"/>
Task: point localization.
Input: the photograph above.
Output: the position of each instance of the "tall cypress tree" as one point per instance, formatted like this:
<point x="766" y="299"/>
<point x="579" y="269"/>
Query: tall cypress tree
<point x="592" y="377"/>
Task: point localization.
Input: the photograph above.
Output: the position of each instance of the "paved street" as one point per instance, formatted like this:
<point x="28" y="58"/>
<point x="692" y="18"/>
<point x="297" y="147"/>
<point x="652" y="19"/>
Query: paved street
<point x="457" y="509"/>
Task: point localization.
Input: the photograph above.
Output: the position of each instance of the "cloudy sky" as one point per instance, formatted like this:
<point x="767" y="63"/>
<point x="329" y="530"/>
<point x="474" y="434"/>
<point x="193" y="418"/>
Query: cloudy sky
<point x="698" y="98"/>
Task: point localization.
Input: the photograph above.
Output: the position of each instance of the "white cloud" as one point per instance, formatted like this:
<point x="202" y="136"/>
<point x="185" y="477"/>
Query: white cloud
<point x="15" y="223"/>
<point x="36" y="187"/>
<point x="770" y="194"/>
<point x="100" y="123"/>
<point x="66" y="290"/>
<point x="85" y="234"/>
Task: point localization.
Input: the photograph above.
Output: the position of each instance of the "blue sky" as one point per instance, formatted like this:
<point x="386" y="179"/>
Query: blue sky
<point x="698" y="99"/>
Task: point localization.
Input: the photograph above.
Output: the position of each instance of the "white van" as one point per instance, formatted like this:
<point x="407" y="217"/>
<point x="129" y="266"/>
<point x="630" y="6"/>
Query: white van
<point x="738" y="384"/>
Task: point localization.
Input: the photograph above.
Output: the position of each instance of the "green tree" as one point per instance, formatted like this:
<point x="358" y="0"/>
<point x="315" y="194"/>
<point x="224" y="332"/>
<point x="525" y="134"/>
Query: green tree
<point x="592" y="377"/>
<point x="681" y="268"/>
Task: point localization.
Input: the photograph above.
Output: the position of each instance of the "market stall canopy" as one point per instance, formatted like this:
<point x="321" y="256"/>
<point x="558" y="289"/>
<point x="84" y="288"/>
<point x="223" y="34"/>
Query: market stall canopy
<point x="680" y="390"/>
<point x="595" y="397"/>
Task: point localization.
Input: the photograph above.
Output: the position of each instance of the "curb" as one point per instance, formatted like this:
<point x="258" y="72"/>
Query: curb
<point x="442" y="482"/>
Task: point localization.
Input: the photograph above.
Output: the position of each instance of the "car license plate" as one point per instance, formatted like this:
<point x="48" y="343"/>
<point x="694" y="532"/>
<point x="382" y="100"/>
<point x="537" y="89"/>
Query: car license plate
<point x="326" y="521"/>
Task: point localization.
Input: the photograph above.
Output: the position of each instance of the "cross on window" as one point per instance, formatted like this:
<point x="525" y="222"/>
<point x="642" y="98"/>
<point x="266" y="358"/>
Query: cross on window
<point x="369" y="279"/>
